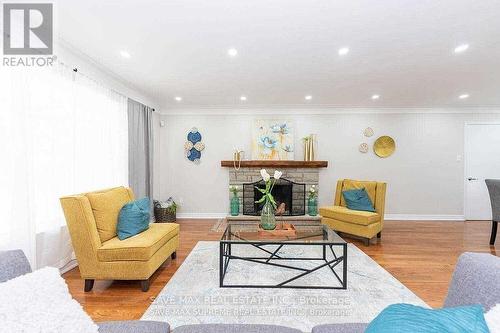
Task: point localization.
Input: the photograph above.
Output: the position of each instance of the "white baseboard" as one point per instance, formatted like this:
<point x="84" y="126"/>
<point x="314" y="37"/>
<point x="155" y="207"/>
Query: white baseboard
<point x="389" y="217"/>
<point x="423" y="217"/>
<point x="201" y="215"/>
<point x="69" y="266"/>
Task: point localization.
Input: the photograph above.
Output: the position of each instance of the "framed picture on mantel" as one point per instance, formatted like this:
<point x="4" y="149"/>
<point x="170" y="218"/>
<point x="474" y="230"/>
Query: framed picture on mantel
<point x="272" y="140"/>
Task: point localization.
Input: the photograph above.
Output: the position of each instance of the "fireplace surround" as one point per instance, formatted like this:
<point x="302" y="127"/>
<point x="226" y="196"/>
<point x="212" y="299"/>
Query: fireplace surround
<point x="301" y="172"/>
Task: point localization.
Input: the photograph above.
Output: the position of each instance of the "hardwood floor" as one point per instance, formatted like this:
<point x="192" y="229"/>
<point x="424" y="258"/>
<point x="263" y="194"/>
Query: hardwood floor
<point x="422" y="255"/>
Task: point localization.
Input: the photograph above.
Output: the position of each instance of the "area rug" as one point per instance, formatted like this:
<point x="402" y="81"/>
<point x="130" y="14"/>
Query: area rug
<point x="193" y="296"/>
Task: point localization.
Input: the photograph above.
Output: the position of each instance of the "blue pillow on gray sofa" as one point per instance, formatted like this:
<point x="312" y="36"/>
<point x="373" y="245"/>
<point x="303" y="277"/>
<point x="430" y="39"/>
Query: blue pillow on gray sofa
<point x="407" y="318"/>
<point x="133" y="219"/>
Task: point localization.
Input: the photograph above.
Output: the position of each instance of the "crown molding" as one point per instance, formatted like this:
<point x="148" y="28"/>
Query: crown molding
<point x="68" y="47"/>
<point x="319" y="110"/>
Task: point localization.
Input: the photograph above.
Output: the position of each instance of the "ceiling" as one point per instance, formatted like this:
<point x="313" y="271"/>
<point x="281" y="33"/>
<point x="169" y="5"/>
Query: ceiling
<point x="402" y="50"/>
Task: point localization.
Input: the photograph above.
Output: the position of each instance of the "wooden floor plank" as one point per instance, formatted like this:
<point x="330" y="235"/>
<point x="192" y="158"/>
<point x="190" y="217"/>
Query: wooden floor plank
<point x="420" y="254"/>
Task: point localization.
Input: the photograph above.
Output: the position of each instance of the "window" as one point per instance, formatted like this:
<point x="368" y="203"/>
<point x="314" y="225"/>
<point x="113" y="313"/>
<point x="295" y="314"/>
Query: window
<point x="60" y="133"/>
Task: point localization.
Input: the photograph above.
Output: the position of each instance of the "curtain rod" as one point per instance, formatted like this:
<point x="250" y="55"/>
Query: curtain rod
<point x="88" y="77"/>
<point x="75" y="70"/>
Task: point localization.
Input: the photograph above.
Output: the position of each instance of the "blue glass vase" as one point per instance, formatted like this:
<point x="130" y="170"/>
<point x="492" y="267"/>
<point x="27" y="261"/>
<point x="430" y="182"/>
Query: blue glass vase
<point x="235" y="206"/>
<point x="312" y="206"/>
<point x="267" y="218"/>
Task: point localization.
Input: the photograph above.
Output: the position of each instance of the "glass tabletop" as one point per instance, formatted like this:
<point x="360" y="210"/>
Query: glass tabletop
<point x="292" y="231"/>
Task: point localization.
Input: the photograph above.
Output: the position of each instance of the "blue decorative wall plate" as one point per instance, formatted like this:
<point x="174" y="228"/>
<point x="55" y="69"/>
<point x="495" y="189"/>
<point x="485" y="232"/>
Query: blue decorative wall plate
<point x="194" y="146"/>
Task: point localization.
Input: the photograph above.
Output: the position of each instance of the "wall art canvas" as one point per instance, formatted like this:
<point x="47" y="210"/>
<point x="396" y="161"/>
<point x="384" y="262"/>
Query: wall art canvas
<point x="272" y="140"/>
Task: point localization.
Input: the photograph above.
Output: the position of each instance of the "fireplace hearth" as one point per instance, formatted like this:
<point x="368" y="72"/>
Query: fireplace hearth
<point x="285" y="192"/>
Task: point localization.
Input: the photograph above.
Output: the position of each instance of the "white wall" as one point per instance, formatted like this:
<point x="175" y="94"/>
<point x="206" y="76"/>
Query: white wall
<point x="425" y="175"/>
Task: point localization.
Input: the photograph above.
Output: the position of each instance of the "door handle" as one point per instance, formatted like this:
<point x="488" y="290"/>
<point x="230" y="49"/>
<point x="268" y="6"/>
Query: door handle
<point x="471" y="179"/>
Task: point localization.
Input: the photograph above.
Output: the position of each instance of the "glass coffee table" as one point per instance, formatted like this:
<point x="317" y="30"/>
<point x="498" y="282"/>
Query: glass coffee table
<point x="298" y="248"/>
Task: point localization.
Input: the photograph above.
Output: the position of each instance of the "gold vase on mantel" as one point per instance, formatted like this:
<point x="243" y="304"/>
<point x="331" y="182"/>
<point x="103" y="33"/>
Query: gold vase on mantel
<point x="306" y="148"/>
<point x="309" y="147"/>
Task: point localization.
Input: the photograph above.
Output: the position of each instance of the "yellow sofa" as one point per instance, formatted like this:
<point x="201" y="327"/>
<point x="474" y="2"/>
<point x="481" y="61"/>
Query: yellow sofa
<point x="92" y="219"/>
<point x="354" y="222"/>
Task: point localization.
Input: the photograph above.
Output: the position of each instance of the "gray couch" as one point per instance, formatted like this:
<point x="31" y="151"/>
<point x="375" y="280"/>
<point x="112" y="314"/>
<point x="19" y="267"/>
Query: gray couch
<point x="475" y="281"/>
<point x="14" y="263"/>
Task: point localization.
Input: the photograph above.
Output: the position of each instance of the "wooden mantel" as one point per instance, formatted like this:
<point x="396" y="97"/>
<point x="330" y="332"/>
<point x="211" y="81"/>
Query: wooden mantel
<point x="276" y="164"/>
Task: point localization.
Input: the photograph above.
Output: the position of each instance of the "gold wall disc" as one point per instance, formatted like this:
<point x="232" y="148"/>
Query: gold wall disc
<point x="384" y="146"/>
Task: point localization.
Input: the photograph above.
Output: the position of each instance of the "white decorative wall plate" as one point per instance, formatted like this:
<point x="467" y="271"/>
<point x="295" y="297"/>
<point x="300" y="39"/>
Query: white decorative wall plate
<point x="368" y="132"/>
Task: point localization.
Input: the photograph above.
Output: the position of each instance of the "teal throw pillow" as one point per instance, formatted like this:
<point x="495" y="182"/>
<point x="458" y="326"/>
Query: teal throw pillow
<point x="407" y="318"/>
<point x="133" y="218"/>
<point x="358" y="200"/>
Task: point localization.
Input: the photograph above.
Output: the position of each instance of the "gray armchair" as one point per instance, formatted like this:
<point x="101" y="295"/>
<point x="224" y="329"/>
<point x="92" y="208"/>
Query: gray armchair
<point x="14" y="263"/>
<point x="494" y="190"/>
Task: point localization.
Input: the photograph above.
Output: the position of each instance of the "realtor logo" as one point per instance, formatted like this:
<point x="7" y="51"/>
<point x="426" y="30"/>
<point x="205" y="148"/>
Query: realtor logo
<point x="27" y="29"/>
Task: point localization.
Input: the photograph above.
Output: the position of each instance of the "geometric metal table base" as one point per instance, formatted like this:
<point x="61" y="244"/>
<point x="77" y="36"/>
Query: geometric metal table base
<point x="271" y="257"/>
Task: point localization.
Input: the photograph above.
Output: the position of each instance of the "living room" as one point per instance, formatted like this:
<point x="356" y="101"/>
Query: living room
<point x="223" y="166"/>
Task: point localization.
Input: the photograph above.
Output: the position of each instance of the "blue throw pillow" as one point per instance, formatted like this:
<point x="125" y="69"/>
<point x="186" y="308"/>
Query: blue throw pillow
<point x="407" y="318"/>
<point x="358" y="200"/>
<point x="133" y="219"/>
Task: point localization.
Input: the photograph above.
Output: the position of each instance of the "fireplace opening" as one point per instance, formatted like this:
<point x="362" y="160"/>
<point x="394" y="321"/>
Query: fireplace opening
<point x="285" y="192"/>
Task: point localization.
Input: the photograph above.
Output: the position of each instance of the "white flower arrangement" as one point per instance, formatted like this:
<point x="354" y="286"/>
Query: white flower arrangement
<point x="266" y="192"/>
<point x="233" y="189"/>
<point x="265" y="175"/>
<point x="313" y="193"/>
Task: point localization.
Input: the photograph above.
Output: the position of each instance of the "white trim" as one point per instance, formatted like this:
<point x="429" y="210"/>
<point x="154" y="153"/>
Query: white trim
<point x="464" y="170"/>
<point x="398" y="217"/>
<point x="482" y="123"/>
<point x="201" y="215"/>
<point x="98" y="72"/>
<point x="317" y="110"/>
<point x="69" y="266"/>
<point x="423" y="217"/>
<point x="466" y="156"/>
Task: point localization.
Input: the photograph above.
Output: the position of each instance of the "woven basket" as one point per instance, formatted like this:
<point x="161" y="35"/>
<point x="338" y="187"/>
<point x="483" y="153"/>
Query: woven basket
<point x="164" y="215"/>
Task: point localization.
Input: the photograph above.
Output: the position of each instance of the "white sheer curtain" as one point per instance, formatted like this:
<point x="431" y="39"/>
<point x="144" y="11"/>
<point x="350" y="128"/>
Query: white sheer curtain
<point x="60" y="133"/>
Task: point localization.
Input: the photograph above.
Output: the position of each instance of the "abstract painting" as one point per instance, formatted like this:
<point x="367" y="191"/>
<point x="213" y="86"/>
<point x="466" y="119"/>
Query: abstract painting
<point x="272" y="140"/>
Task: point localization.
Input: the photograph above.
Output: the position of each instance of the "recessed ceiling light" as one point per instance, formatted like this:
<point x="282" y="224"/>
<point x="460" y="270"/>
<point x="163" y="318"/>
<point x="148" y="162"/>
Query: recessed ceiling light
<point x="243" y="98"/>
<point x="178" y="98"/>
<point x="232" y="52"/>
<point x="308" y="97"/>
<point x="375" y="97"/>
<point x="125" y="54"/>
<point x="463" y="96"/>
<point x="343" y="51"/>
<point x="461" y="48"/>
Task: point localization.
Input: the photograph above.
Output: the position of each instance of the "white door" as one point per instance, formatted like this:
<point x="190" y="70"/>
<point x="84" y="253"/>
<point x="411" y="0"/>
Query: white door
<point x="482" y="161"/>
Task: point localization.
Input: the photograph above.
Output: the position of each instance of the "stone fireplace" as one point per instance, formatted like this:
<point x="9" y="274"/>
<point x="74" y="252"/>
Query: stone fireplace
<point x="292" y="188"/>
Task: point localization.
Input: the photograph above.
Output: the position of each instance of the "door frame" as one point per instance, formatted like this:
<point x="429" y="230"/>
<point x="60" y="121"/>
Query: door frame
<point x="465" y="157"/>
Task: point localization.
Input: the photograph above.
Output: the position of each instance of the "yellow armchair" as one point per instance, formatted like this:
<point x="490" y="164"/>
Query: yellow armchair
<point x="354" y="222"/>
<point x="92" y="219"/>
